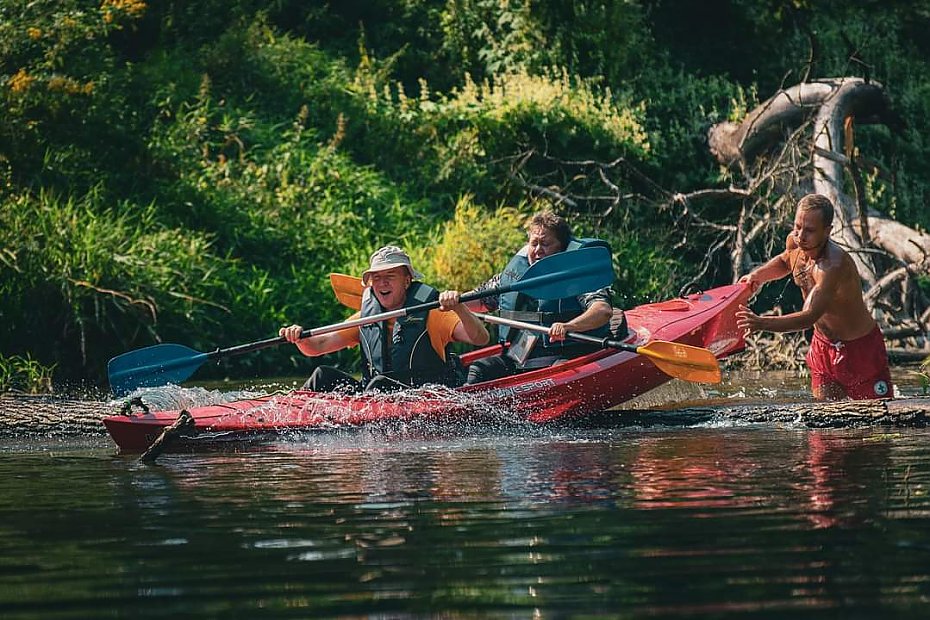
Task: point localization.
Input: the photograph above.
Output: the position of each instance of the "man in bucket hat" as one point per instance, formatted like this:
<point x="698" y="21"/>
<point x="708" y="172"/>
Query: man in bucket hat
<point x="398" y="353"/>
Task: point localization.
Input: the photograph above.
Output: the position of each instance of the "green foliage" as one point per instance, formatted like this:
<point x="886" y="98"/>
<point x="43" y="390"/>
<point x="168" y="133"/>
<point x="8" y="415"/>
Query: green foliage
<point x="471" y="247"/>
<point x="63" y="117"/>
<point x="193" y="171"/>
<point x="923" y="375"/>
<point x="24" y="374"/>
<point x="472" y="136"/>
<point x="589" y="38"/>
<point x="646" y="271"/>
<point x="80" y="279"/>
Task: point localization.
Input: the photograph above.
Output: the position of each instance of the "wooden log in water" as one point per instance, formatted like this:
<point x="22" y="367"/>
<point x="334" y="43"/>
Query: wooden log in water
<point x="903" y="413"/>
<point x="183" y="423"/>
<point x="54" y="416"/>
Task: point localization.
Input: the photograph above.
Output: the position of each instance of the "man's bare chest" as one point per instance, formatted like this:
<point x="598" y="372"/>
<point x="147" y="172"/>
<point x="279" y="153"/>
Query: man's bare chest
<point x="804" y="272"/>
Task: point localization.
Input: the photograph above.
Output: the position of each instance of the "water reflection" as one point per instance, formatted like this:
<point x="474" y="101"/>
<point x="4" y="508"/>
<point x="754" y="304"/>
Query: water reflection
<point x="509" y="521"/>
<point x="691" y="469"/>
<point x="743" y="507"/>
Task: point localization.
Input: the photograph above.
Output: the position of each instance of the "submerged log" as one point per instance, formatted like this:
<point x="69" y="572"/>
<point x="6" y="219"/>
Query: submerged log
<point x="53" y="416"/>
<point x="904" y="413"/>
<point x="184" y="422"/>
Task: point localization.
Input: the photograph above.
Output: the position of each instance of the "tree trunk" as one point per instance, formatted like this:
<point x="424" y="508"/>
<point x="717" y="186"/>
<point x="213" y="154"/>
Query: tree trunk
<point x="851" y="98"/>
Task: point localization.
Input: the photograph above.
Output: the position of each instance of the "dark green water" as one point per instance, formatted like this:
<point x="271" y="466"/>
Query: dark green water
<point x="685" y="522"/>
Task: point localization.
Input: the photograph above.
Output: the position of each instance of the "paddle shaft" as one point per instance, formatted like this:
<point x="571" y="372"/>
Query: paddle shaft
<point x="605" y="343"/>
<point x="336" y="327"/>
<point x="531" y="283"/>
<point x="675" y="359"/>
<point x="359" y="322"/>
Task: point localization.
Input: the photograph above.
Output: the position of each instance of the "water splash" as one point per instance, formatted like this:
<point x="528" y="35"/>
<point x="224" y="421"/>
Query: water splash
<point x="172" y="397"/>
<point x="427" y="406"/>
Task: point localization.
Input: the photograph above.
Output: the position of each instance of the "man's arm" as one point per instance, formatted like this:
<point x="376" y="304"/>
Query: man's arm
<point x="598" y="312"/>
<point x="775" y="269"/>
<point x="597" y="315"/>
<point x="469" y="329"/>
<point x="486" y="304"/>
<point x="322" y="344"/>
<point x="815" y="305"/>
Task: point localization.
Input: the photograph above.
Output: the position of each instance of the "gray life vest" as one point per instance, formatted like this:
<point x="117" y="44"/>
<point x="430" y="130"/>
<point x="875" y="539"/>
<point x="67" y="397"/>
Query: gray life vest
<point x="520" y="307"/>
<point x="406" y="354"/>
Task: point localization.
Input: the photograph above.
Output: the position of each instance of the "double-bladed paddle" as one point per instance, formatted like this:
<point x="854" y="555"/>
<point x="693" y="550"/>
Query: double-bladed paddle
<point x="556" y="276"/>
<point x="677" y="360"/>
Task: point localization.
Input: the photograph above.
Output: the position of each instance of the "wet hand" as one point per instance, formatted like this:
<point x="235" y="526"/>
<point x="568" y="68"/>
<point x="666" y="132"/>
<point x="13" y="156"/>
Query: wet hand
<point x="557" y="332"/>
<point x="291" y="333"/>
<point x="448" y="300"/>
<point x="747" y="320"/>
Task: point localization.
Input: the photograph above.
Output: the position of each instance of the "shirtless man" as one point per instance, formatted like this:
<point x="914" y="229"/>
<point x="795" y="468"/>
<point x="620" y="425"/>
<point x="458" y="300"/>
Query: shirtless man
<point x="847" y="357"/>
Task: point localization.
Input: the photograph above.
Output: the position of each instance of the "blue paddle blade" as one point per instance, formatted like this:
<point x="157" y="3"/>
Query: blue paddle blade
<point x="567" y="274"/>
<point x="153" y="366"/>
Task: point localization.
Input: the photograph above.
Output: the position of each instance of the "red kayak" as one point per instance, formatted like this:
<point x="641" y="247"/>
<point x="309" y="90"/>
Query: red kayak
<point x="580" y="386"/>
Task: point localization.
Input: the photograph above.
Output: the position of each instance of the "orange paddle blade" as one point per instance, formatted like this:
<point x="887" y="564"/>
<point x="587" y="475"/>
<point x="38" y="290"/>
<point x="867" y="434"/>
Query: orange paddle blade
<point x="682" y="361"/>
<point x="348" y="289"/>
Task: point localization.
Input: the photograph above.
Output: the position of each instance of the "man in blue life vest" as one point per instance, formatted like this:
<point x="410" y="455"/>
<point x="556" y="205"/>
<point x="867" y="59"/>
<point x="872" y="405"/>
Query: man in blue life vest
<point x="590" y="312"/>
<point x="398" y="353"/>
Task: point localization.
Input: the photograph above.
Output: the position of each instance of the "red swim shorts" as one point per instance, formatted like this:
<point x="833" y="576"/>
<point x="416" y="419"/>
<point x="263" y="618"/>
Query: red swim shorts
<point x="860" y="365"/>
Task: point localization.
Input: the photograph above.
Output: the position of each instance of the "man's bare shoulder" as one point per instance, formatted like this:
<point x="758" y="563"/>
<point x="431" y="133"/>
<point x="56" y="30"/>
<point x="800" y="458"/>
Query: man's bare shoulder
<point x="836" y="272"/>
<point x="835" y="258"/>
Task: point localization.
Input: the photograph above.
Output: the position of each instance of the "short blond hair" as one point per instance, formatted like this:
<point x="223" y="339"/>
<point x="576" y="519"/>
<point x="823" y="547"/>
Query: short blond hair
<point x="818" y="202"/>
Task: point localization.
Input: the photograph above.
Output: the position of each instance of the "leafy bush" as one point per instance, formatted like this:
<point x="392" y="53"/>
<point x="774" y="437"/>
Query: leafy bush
<point x="472" y="246"/>
<point x="193" y="170"/>
<point x="472" y="137"/>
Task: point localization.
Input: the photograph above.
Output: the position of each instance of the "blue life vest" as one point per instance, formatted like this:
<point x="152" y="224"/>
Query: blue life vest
<point x="412" y="359"/>
<point x="520" y="307"/>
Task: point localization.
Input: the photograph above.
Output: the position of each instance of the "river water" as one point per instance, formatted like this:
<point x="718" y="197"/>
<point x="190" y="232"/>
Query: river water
<point x="717" y="520"/>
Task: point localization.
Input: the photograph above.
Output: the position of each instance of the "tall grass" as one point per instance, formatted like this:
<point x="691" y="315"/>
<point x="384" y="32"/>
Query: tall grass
<point x="81" y="279"/>
<point x="24" y="374"/>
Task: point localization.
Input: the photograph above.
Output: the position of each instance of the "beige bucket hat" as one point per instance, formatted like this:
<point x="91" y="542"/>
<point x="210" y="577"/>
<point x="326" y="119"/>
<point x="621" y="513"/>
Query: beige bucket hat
<point x="388" y="257"/>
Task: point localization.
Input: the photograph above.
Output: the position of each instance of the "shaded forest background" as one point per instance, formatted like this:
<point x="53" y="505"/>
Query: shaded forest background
<point x="191" y="171"/>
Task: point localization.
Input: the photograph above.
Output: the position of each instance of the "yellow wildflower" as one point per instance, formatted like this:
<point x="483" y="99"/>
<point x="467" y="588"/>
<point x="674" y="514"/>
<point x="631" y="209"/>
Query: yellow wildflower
<point x="21" y="82"/>
<point x="112" y="9"/>
<point x="64" y="84"/>
<point x="34" y="33"/>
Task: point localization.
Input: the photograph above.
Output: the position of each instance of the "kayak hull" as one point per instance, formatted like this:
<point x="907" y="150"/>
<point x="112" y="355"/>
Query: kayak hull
<point x="584" y="385"/>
